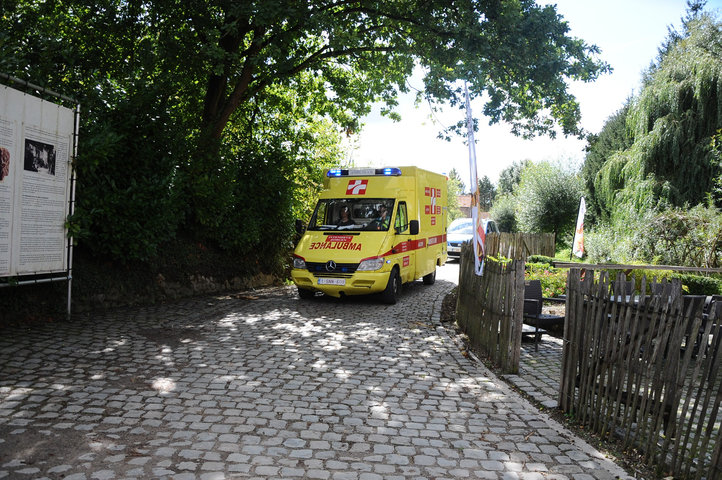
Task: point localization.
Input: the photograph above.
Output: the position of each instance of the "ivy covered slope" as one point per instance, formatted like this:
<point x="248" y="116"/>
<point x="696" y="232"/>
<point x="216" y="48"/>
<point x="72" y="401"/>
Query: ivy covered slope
<point x="211" y="121"/>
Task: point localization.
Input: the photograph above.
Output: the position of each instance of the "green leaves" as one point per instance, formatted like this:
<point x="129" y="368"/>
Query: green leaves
<point x="517" y="52"/>
<point x="547" y="199"/>
<point x="659" y="150"/>
<point x="654" y="171"/>
<point x="197" y="113"/>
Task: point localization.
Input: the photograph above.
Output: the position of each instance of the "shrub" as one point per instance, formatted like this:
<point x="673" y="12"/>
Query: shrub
<point x="679" y="236"/>
<point x="504" y="213"/>
<point x="553" y="280"/>
<point x="699" y="285"/>
<point x="548" y="199"/>
<point x="128" y="202"/>
<point x="691" y="284"/>
<point x="540" y="259"/>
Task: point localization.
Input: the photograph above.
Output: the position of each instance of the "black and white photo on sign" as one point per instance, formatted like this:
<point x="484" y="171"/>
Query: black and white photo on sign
<point x="39" y="157"/>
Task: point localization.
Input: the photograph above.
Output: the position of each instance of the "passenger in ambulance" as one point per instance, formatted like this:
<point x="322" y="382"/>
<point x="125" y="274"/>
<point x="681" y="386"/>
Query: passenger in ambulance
<point x="345" y="217"/>
<point x="383" y="220"/>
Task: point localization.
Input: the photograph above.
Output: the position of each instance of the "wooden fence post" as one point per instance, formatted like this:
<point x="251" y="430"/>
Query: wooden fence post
<point x="490" y="308"/>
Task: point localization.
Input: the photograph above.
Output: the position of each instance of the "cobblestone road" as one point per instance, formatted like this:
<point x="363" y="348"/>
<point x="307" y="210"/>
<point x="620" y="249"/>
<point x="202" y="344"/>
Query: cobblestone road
<point x="264" y="385"/>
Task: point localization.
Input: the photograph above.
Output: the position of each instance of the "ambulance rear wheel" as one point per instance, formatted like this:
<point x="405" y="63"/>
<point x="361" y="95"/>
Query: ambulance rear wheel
<point x="393" y="288"/>
<point x="306" y="294"/>
<point x="430" y="278"/>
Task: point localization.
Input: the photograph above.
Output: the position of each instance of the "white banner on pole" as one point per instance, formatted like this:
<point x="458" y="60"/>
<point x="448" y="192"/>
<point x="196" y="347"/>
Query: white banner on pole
<point x="479" y="232"/>
<point x="578" y="243"/>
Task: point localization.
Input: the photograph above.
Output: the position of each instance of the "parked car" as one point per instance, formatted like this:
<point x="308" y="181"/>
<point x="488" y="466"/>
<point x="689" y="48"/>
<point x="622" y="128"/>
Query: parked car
<point x="461" y="231"/>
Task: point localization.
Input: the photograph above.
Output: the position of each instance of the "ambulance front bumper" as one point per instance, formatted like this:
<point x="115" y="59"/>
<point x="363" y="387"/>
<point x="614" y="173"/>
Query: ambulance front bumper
<point x="360" y="283"/>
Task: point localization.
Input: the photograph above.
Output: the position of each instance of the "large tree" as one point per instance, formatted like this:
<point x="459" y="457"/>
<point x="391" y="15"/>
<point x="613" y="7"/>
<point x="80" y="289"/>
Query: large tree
<point x="547" y="199"/>
<point x="672" y="159"/>
<point x="615" y="137"/>
<point x="517" y="52"/>
<point x="487" y="194"/>
<point x="510" y="177"/>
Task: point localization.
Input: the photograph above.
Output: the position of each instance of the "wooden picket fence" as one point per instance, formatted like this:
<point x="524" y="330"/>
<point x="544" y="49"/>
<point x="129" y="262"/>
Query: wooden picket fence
<point x="489" y="308"/>
<point x="518" y="246"/>
<point x="645" y="369"/>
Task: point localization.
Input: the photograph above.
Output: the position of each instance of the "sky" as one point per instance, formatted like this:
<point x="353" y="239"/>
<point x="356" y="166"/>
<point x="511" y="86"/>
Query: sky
<point x="628" y="32"/>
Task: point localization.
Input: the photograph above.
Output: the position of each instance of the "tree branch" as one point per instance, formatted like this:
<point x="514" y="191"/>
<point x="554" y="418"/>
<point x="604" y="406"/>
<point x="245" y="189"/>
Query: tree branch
<point x="242" y="92"/>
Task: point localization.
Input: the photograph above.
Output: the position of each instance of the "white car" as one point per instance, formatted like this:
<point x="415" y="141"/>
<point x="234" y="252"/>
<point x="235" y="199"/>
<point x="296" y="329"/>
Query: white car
<point x="461" y="231"/>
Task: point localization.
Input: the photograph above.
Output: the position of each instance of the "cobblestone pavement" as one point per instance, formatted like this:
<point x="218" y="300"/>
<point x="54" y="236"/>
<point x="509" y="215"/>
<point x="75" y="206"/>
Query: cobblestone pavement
<point x="265" y="385"/>
<point x="540" y="371"/>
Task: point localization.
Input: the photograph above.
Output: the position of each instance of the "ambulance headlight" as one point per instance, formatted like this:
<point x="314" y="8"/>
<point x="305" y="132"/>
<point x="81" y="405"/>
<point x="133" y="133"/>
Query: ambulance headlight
<point x="370" y="264"/>
<point x="299" y="262"/>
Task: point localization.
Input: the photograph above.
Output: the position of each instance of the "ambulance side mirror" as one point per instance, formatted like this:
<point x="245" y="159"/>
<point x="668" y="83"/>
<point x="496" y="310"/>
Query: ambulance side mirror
<point x="300" y="227"/>
<point x="414" y="227"/>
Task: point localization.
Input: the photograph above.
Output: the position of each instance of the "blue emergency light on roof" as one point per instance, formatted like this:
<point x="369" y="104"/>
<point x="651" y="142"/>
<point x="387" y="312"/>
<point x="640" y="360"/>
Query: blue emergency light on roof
<point x="363" y="172"/>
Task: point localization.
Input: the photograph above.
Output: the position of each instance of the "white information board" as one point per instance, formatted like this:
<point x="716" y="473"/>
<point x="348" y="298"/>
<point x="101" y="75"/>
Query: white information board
<point x="36" y="139"/>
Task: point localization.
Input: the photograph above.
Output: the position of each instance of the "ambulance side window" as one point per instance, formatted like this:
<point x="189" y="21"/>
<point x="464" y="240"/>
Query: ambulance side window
<point x="322" y="214"/>
<point x="402" y="220"/>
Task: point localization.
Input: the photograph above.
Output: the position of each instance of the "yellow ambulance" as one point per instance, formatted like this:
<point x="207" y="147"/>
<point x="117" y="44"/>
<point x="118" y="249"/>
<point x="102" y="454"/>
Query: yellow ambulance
<point x="373" y="229"/>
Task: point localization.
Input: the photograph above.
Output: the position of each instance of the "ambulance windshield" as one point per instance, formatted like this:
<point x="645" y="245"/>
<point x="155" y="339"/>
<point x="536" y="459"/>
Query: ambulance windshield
<point x="352" y="214"/>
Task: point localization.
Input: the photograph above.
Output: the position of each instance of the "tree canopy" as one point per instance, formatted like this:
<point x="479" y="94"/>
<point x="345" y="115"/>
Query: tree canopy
<point x="547" y="199"/>
<point x="615" y="137"/>
<point x="487" y="194"/>
<point x="669" y="159"/>
<point x="197" y="112"/>
<point x="510" y="177"/>
<point x="654" y="171"/>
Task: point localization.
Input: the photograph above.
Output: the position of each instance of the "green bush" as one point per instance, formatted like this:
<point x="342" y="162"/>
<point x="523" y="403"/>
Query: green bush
<point x="682" y="236"/>
<point x="699" y="285"/>
<point x="540" y="259"/>
<point x="128" y="203"/>
<point x="691" y="284"/>
<point x="548" y="199"/>
<point x="553" y="280"/>
<point x="504" y="213"/>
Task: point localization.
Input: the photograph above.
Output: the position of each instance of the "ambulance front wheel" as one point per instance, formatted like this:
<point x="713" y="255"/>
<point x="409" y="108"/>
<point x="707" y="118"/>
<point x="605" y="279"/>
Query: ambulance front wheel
<point x="430" y="278"/>
<point x="393" y="288"/>
<point x="306" y="294"/>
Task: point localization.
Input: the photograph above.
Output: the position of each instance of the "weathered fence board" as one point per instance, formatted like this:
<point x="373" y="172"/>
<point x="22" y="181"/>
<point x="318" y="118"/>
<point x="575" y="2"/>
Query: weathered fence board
<point x="645" y="368"/>
<point x="518" y="246"/>
<point x="489" y="308"/>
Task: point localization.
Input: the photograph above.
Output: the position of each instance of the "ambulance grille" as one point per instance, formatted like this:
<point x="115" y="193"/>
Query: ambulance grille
<point x="342" y="270"/>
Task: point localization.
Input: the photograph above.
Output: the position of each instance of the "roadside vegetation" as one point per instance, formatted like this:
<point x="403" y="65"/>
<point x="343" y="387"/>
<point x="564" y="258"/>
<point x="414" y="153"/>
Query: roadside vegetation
<point x="205" y="127"/>
<point x="210" y="123"/>
<point x="652" y="177"/>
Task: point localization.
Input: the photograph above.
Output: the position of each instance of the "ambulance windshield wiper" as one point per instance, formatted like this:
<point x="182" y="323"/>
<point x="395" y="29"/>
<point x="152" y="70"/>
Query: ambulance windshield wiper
<point x="336" y="227"/>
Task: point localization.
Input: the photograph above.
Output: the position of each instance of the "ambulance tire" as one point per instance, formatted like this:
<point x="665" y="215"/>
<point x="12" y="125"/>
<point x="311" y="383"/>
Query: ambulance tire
<point x="306" y="294"/>
<point x="430" y="278"/>
<point x="393" y="288"/>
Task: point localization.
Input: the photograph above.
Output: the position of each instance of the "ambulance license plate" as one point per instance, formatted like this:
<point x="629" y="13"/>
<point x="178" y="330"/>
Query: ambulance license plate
<point x="332" y="281"/>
